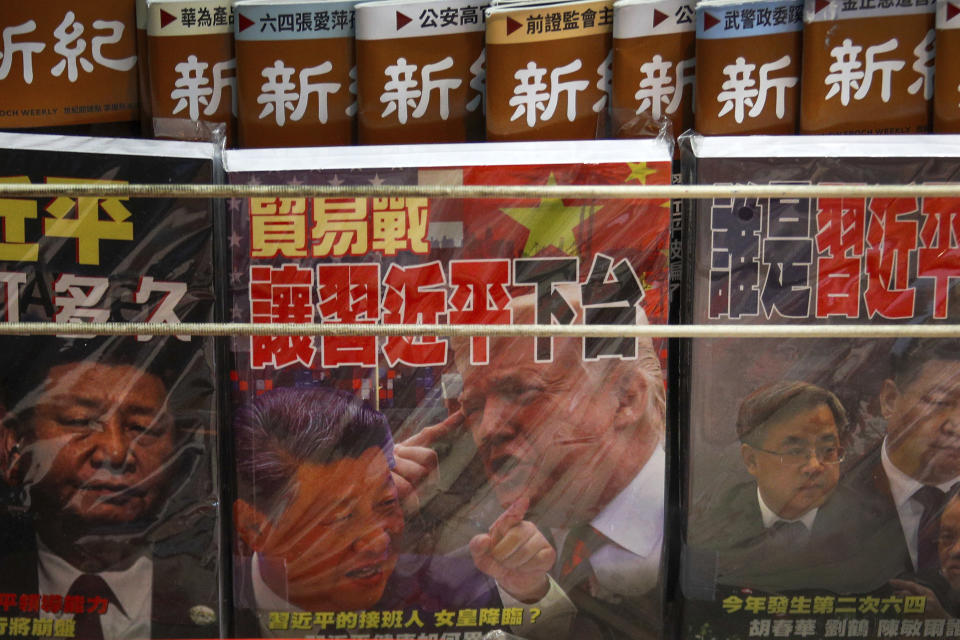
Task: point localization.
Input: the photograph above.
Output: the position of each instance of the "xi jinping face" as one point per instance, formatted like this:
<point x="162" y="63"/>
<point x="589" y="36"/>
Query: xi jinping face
<point x="101" y="446"/>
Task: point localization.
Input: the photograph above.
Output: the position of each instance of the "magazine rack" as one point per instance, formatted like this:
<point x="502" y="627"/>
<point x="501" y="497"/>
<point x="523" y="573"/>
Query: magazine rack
<point x="777" y="331"/>
<point x="499" y="191"/>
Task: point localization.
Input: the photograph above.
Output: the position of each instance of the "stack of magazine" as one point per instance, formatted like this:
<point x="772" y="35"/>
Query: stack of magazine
<point x="450" y="485"/>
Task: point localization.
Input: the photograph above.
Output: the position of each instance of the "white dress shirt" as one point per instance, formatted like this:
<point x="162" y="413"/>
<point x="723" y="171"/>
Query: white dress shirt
<point x="267" y="601"/>
<point x="902" y="488"/>
<point x="770" y="517"/>
<point x="266" y="598"/>
<point x="633" y="522"/>
<point x="133" y="588"/>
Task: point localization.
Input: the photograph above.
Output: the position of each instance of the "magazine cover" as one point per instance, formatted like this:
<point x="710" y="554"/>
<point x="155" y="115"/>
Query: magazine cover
<point x="510" y="483"/>
<point x="748" y="75"/>
<point x="193" y="84"/>
<point x="68" y="63"/>
<point x="946" y="94"/>
<point x="549" y="70"/>
<point x="654" y="62"/>
<point x="109" y="494"/>
<point x="867" y="66"/>
<point x="296" y="73"/>
<point x="822" y="473"/>
<point x="420" y="71"/>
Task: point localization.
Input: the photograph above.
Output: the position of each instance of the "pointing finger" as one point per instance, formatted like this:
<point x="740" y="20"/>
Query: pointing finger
<point x="510" y="518"/>
<point x="437" y="432"/>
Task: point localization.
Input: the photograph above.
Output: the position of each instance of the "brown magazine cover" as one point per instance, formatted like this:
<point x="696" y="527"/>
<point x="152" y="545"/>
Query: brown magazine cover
<point x="946" y="94"/>
<point x="66" y="63"/>
<point x="654" y="62"/>
<point x="549" y="70"/>
<point x="420" y="71"/>
<point x="192" y="68"/>
<point x="295" y="73"/>
<point x="867" y="66"/>
<point x="748" y="66"/>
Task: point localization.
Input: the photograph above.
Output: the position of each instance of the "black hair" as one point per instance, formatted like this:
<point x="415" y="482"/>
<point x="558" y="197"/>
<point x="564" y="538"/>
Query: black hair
<point x="758" y="409"/>
<point x="286" y="427"/>
<point x="910" y="354"/>
<point x="28" y="360"/>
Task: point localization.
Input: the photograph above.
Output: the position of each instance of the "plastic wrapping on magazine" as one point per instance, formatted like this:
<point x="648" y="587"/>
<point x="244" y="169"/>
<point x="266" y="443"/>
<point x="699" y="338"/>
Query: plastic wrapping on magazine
<point x="630" y="125"/>
<point x="107" y="444"/>
<point x="813" y="146"/>
<point x="820" y="481"/>
<point x="483" y="483"/>
<point x="192" y="130"/>
<point x="667" y="136"/>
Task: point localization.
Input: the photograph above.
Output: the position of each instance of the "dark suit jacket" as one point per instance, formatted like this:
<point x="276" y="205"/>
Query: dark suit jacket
<point x="877" y="514"/>
<point x="179" y="583"/>
<point x="426" y="583"/>
<point x="846" y="552"/>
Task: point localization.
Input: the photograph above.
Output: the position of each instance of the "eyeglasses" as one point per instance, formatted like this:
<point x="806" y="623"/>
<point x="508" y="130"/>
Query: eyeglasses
<point x="797" y="456"/>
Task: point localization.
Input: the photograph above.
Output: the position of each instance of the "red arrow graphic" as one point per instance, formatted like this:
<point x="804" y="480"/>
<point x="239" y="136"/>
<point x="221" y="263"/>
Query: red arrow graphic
<point x="166" y="18"/>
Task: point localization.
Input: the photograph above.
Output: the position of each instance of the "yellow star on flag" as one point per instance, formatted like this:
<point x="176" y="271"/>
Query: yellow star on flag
<point x="551" y="223"/>
<point x="639" y="172"/>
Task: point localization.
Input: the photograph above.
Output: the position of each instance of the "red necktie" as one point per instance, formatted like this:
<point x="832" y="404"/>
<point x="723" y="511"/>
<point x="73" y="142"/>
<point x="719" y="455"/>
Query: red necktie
<point x="580" y="544"/>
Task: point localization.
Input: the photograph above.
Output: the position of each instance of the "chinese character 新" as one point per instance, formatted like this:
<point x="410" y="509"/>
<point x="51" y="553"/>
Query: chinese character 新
<point x="849" y="77"/>
<point x="193" y="89"/>
<point x="534" y="97"/>
<point x="406" y="96"/>
<point x="740" y="89"/>
<point x="658" y="87"/>
<point x="279" y="94"/>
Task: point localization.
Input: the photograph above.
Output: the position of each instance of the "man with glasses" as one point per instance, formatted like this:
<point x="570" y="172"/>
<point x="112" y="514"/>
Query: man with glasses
<point x="784" y="529"/>
<point x="790" y="435"/>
